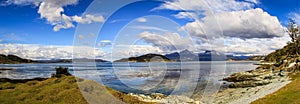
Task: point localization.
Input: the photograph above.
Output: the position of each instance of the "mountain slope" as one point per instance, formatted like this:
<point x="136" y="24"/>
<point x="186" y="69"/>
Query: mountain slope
<point x="184" y="55"/>
<point x="145" y="58"/>
<point x="12" y="59"/>
<point x="187" y="55"/>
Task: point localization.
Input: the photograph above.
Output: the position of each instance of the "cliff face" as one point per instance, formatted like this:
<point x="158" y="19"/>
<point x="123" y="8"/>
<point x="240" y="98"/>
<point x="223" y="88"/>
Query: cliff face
<point x="12" y="59"/>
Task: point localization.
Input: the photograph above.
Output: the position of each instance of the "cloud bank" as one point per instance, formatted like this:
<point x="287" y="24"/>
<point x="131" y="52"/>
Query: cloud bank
<point x="33" y="51"/>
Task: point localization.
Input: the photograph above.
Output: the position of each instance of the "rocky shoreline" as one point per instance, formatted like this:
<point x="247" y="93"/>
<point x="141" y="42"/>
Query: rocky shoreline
<point x="257" y="77"/>
<point x="235" y="95"/>
<point x="247" y="95"/>
<point x="244" y="87"/>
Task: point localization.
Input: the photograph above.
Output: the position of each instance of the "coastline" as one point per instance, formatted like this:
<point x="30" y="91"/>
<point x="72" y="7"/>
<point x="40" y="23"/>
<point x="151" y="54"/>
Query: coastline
<point x="248" y="94"/>
<point x="228" y="95"/>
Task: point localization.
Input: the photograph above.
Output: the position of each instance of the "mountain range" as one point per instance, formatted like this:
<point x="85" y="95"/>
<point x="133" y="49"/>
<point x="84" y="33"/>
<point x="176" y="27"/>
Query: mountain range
<point x="182" y="56"/>
<point x="186" y="55"/>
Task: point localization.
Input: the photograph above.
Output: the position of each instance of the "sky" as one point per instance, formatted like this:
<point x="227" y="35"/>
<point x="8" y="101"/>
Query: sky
<point x="47" y="29"/>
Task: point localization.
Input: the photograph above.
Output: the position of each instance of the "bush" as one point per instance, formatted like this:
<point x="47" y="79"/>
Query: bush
<point x="60" y="71"/>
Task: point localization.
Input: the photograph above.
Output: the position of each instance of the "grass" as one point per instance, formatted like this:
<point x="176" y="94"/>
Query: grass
<point x="290" y="94"/>
<point x="63" y="90"/>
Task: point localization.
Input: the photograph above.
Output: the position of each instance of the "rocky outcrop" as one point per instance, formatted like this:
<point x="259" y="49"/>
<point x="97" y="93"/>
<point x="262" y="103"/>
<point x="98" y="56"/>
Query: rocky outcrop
<point x="255" y="77"/>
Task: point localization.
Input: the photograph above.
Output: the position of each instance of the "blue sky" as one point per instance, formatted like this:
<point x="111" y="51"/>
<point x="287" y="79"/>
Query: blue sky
<point x="25" y="20"/>
<point x="29" y="22"/>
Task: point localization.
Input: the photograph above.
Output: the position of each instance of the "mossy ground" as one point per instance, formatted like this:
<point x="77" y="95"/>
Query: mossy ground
<point x="63" y="90"/>
<point x="290" y="94"/>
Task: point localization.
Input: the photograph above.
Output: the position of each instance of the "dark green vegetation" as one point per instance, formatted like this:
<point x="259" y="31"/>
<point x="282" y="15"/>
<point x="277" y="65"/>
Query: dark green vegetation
<point x="289" y="53"/>
<point x="12" y="59"/>
<point x="146" y="58"/>
<point x="282" y="58"/>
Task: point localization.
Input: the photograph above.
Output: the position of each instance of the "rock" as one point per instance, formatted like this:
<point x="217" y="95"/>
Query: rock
<point x="291" y="65"/>
<point x="255" y="77"/>
<point x="157" y="95"/>
<point x="243" y="76"/>
<point x="249" y="84"/>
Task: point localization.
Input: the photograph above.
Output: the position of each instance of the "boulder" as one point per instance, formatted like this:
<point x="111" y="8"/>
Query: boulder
<point x="249" y="84"/>
<point x="157" y="96"/>
<point x="243" y="76"/>
<point x="255" y="78"/>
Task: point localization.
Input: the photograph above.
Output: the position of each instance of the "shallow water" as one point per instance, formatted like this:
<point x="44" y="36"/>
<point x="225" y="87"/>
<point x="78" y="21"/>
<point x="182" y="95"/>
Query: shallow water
<point x="146" y="78"/>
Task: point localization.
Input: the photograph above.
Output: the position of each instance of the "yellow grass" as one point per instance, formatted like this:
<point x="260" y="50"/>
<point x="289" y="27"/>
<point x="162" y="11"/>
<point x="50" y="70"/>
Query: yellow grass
<point x="62" y="90"/>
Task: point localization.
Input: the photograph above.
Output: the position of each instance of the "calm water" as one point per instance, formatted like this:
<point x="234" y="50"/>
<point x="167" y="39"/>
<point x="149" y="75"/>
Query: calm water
<point x="136" y="77"/>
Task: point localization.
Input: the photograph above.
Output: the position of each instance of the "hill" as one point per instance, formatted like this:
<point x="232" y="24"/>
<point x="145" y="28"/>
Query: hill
<point x="13" y="59"/>
<point x="60" y="90"/>
<point x="146" y="58"/>
<point x="184" y="55"/>
<point x="70" y="60"/>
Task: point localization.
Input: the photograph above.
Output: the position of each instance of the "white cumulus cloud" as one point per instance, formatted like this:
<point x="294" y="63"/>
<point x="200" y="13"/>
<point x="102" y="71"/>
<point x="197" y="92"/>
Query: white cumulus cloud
<point x="53" y="12"/>
<point x="253" y="23"/>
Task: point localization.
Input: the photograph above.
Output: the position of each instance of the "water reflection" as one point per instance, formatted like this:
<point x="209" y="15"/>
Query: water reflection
<point x="137" y="77"/>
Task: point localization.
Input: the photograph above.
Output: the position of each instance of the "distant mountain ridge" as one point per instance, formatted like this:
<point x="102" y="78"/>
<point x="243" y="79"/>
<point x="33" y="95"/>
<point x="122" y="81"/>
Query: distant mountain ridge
<point x="187" y="55"/>
<point x="70" y="60"/>
<point x="184" y="55"/>
<point x="13" y="59"/>
<point x="146" y="58"/>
